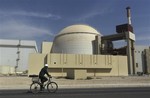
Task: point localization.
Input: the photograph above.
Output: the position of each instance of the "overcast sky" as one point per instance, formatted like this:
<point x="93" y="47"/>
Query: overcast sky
<point x="42" y="19"/>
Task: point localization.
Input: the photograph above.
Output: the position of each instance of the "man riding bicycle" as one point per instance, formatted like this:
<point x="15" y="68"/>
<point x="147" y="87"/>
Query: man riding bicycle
<point x="42" y="75"/>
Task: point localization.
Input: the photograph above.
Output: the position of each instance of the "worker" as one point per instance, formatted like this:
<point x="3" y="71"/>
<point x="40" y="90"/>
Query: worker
<point x="42" y="75"/>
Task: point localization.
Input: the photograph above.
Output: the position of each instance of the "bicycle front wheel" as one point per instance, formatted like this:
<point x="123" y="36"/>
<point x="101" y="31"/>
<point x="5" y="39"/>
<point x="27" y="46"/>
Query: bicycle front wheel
<point x="35" y="87"/>
<point x="52" y="87"/>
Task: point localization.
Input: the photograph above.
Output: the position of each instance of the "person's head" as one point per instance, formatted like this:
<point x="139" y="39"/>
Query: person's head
<point x="46" y="65"/>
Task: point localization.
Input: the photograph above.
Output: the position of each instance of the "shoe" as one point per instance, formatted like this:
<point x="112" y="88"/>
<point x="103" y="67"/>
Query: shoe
<point x="41" y="88"/>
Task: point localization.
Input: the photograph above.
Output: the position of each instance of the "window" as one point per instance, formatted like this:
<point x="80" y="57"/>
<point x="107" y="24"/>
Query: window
<point x="136" y="64"/>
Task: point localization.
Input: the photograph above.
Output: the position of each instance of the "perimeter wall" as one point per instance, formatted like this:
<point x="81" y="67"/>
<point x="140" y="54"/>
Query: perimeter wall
<point x="71" y="64"/>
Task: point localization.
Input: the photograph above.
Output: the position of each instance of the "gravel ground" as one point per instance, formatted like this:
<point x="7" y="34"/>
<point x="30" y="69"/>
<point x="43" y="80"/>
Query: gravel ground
<point x="23" y="82"/>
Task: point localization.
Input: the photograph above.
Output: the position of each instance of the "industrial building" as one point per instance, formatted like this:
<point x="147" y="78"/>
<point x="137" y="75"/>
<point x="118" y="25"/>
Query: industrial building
<point x="75" y="53"/>
<point x="76" y="39"/>
<point x="79" y="51"/>
<point x="147" y="61"/>
<point x="14" y="55"/>
<point x="140" y="58"/>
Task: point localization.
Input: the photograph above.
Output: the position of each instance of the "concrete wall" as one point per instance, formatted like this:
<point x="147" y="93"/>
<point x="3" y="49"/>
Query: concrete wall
<point x="119" y="67"/>
<point x="94" y="65"/>
<point x="46" y="47"/>
<point x="77" y="74"/>
<point x="5" y="70"/>
<point x="36" y="62"/>
<point x="16" y="53"/>
<point x="147" y="60"/>
<point x="140" y="63"/>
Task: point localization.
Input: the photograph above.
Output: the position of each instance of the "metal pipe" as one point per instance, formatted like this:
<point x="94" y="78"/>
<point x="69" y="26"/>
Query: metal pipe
<point x="129" y="15"/>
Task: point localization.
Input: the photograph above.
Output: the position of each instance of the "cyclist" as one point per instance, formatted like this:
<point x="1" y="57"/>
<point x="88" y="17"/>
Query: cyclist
<point x="42" y="75"/>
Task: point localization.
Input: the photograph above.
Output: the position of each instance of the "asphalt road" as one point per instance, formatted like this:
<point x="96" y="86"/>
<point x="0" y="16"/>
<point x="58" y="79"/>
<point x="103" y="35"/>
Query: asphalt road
<point x="140" y="92"/>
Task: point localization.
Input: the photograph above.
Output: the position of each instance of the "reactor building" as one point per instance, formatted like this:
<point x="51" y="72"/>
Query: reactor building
<point x="77" y="52"/>
<point x="80" y="51"/>
<point x="76" y="39"/>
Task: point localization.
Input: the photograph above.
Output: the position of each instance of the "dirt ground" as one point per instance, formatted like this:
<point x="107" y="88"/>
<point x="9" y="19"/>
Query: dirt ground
<point x="23" y="82"/>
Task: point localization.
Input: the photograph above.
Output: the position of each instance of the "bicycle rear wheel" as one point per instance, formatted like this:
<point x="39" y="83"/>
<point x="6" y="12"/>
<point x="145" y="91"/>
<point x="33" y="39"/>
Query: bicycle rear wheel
<point x="52" y="87"/>
<point x="35" y="87"/>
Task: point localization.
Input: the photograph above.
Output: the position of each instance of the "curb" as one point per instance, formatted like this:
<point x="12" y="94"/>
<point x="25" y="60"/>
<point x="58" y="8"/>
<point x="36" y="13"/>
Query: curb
<point x="80" y="86"/>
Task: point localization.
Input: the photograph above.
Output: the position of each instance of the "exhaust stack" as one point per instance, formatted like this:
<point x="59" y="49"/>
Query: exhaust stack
<point x="129" y="15"/>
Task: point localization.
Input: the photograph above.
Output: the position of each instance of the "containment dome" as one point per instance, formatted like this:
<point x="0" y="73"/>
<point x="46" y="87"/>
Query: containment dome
<point x="75" y="39"/>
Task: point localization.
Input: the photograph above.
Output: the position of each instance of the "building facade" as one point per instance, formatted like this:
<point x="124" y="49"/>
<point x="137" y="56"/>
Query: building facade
<point x="14" y="53"/>
<point x="140" y="59"/>
<point x="147" y="60"/>
<point x="75" y="53"/>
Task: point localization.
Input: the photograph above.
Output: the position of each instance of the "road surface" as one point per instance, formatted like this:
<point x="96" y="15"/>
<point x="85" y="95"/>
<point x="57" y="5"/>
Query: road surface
<point x="137" y="92"/>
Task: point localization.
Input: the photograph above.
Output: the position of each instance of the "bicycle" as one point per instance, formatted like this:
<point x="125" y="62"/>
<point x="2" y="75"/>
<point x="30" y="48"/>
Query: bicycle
<point x="35" y="86"/>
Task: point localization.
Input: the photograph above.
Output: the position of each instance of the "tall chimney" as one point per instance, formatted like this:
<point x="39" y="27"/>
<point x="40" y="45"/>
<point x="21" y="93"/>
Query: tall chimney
<point x="129" y="15"/>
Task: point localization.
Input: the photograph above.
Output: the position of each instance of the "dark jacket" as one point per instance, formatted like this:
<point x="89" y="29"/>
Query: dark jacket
<point x="43" y="71"/>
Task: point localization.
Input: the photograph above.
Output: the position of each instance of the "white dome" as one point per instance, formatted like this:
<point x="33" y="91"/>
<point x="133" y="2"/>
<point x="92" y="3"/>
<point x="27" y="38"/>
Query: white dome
<point x="78" y="28"/>
<point x="75" y="39"/>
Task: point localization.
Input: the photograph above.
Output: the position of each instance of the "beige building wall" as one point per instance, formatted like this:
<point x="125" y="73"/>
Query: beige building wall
<point x="36" y="62"/>
<point x="77" y="74"/>
<point x="118" y="63"/>
<point x="147" y="60"/>
<point x="46" y="47"/>
<point x="6" y="70"/>
<point x="122" y="66"/>
<point x="75" y="64"/>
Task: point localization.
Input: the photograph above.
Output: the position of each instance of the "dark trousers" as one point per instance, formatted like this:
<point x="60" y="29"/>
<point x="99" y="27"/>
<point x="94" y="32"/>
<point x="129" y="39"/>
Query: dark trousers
<point x="43" y="79"/>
